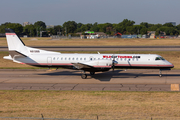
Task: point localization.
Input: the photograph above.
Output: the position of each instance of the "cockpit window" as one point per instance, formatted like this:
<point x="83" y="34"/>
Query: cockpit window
<point x="159" y="58"/>
<point x="162" y="58"/>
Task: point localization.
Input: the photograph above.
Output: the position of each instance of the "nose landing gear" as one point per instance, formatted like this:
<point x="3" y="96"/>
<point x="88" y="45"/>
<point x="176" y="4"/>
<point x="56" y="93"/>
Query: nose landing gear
<point x="160" y="73"/>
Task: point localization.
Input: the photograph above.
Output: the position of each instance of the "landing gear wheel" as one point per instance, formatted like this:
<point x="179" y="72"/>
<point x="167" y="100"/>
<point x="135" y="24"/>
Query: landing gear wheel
<point x="92" y="73"/>
<point x="83" y="76"/>
<point x="160" y="73"/>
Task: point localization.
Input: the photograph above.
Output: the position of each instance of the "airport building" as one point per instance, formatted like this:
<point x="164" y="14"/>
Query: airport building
<point x="2" y="35"/>
<point x="50" y="26"/>
<point x="92" y="35"/>
<point x="26" y="23"/>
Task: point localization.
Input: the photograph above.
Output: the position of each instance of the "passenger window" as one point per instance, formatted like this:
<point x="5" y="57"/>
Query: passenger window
<point x="65" y="58"/>
<point x="90" y="58"/>
<point x="80" y="58"/>
<point x="76" y="58"/>
<point x="84" y="58"/>
<point x="72" y="58"/>
<point x="61" y="58"/>
<point x="69" y="58"/>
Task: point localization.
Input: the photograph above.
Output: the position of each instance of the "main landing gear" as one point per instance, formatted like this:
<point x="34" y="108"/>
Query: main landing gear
<point x="84" y="75"/>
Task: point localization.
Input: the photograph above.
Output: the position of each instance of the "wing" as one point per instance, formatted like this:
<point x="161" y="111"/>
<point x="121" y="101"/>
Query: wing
<point x="81" y="66"/>
<point x="96" y="65"/>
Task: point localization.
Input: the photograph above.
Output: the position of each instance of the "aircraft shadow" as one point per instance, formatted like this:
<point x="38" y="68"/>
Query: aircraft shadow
<point x="72" y="73"/>
<point x="107" y="76"/>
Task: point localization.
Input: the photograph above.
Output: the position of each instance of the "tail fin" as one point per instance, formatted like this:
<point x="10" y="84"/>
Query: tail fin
<point x="17" y="47"/>
<point x="15" y="44"/>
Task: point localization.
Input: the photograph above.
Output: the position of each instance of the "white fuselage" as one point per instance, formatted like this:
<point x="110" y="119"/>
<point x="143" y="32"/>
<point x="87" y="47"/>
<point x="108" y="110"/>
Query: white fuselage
<point x="96" y="60"/>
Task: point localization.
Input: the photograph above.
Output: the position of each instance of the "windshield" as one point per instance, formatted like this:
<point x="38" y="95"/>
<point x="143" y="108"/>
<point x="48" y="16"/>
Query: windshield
<point x="159" y="58"/>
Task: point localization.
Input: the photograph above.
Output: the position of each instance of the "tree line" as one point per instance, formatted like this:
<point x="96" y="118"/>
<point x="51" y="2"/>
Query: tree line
<point x="71" y="28"/>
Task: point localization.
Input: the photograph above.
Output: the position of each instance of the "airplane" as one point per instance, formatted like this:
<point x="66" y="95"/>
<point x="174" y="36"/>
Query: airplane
<point x="20" y="53"/>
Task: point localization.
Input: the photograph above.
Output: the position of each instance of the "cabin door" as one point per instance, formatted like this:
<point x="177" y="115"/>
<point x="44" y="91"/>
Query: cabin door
<point x="49" y="61"/>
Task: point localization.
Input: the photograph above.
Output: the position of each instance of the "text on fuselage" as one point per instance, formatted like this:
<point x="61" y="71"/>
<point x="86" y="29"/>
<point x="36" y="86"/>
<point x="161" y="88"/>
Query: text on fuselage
<point x="106" y="56"/>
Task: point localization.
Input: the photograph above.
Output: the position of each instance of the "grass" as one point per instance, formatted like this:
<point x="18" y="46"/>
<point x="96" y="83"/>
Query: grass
<point x="171" y="56"/>
<point x="95" y="42"/>
<point x="87" y="104"/>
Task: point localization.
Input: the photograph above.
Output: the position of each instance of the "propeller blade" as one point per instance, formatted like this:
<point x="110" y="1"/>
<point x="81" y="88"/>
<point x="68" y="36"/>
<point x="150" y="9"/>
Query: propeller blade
<point x="113" y="67"/>
<point x="113" y="62"/>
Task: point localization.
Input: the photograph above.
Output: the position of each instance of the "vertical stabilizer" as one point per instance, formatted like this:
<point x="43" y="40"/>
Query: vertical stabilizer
<point x="15" y="44"/>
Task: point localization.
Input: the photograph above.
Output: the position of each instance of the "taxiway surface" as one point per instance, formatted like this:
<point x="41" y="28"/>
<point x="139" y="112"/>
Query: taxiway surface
<point x="65" y="79"/>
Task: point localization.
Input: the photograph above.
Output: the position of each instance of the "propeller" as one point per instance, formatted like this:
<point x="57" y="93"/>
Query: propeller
<point x="113" y="62"/>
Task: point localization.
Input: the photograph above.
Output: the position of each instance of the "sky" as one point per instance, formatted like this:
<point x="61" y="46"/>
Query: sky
<point x="56" y="12"/>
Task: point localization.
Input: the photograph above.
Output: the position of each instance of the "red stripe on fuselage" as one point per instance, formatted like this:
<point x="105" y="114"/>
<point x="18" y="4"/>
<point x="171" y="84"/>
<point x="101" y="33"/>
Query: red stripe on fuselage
<point x="48" y="63"/>
<point x="120" y="65"/>
<point x="141" y="65"/>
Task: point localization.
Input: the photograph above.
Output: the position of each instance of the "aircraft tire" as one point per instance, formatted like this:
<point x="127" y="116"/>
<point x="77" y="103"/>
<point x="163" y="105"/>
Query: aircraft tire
<point x="83" y="76"/>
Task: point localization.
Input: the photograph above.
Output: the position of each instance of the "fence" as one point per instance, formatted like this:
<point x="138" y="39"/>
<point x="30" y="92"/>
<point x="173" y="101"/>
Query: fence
<point x="2" y="35"/>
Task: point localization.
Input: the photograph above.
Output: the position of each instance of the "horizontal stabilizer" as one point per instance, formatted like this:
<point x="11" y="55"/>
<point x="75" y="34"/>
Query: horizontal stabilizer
<point x="8" y="57"/>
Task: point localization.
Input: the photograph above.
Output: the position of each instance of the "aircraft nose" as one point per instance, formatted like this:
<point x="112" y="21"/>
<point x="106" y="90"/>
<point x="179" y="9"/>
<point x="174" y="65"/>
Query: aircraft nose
<point x="170" y="64"/>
